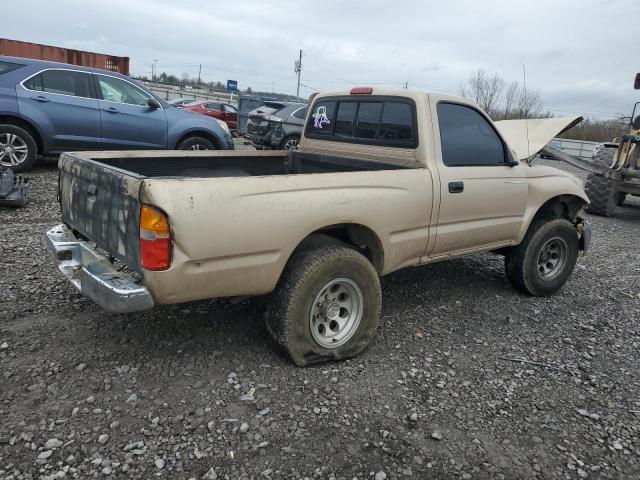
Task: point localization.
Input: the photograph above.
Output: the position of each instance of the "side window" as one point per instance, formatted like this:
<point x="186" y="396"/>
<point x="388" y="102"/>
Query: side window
<point x="34" y="83"/>
<point x="8" y="66"/>
<point x="322" y="118"/>
<point x="467" y="138"/>
<point x="213" y="106"/>
<point x="117" y="90"/>
<point x="345" y="119"/>
<point x="300" y="113"/>
<point x="229" y="109"/>
<point x="63" y="82"/>
<point x="368" y="119"/>
<point x="397" y="122"/>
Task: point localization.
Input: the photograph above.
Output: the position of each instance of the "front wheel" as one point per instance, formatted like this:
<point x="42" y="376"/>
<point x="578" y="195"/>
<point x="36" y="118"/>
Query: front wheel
<point x="545" y="259"/>
<point x="196" y="143"/>
<point x="326" y="305"/>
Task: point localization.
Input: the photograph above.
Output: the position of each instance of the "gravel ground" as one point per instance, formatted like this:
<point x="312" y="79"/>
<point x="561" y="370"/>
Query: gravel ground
<point x="197" y="390"/>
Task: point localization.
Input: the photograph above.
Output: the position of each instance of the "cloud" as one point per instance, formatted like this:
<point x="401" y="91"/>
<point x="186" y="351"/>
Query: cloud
<point x="575" y="52"/>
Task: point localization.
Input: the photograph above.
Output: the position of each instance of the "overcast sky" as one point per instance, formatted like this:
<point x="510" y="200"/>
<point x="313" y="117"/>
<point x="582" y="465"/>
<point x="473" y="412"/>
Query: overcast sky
<point x="578" y="53"/>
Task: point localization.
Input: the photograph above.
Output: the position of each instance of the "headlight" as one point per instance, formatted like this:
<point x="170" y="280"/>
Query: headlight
<point x="223" y="125"/>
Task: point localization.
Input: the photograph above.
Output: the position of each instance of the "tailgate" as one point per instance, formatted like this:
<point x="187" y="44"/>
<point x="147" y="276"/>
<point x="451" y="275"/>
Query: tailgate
<point x="103" y="204"/>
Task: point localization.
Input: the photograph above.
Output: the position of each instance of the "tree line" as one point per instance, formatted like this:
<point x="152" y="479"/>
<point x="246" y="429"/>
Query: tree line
<point x="170" y="79"/>
<point x="504" y="100"/>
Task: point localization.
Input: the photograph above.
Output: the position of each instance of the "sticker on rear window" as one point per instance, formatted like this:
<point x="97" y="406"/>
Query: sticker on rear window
<point x="320" y="117"/>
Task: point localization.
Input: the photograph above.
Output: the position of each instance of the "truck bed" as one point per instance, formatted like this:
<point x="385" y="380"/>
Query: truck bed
<point x="101" y="192"/>
<point x="230" y="164"/>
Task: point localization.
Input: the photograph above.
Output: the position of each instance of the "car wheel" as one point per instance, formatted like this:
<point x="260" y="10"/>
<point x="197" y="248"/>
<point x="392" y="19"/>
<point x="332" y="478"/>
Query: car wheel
<point x="545" y="259"/>
<point x="17" y="148"/>
<point x="326" y="305"/>
<point x="196" y="143"/>
<point x="290" y="143"/>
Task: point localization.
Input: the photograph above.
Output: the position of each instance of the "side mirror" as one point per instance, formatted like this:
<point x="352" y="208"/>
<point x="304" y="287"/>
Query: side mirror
<point x="636" y="84"/>
<point x="153" y="103"/>
<point x="512" y="163"/>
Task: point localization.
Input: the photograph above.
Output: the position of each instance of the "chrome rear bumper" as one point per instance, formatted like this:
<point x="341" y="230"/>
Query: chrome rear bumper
<point x="94" y="276"/>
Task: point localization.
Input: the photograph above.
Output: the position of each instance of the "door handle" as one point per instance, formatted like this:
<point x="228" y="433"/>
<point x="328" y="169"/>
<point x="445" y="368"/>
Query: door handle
<point x="111" y="110"/>
<point x="40" y="99"/>
<point x="456" y="187"/>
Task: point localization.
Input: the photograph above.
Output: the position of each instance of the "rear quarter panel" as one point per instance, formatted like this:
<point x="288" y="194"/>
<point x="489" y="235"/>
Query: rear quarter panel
<point x="233" y="236"/>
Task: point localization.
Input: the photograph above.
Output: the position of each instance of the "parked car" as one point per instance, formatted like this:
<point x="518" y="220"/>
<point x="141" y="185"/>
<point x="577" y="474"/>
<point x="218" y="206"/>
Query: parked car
<point x="382" y="180"/>
<point x="222" y="111"/>
<point x="49" y="108"/>
<point x="179" y="102"/>
<point x="273" y="128"/>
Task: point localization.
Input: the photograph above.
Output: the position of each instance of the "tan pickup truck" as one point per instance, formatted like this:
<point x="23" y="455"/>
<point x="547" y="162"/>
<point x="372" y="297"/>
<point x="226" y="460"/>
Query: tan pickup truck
<point x="382" y="180"/>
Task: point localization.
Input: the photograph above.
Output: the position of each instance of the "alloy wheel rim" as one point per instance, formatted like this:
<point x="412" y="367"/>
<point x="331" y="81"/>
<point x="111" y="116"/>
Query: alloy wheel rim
<point x="198" y="146"/>
<point x="291" y="144"/>
<point x="336" y="312"/>
<point x="552" y="258"/>
<point x="13" y="150"/>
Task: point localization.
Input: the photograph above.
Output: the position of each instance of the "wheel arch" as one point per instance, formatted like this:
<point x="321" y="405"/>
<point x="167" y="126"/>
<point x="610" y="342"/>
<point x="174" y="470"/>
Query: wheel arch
<point x="564" y="206"/>
<point x="26" y="125"/>
<point x="200" y="133"/>
<point x="360" y="237"/>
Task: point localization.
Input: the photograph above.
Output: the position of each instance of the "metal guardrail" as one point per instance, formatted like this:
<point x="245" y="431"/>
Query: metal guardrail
<point x="171" y="92"/>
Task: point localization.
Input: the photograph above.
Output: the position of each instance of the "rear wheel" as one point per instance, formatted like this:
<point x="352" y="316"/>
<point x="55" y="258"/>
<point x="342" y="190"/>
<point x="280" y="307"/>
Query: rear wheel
<point x="17" y="148"/>
<point x="196" y="143"/>
<point x="545" y="259"/>
<point x="289" y="143"/>
<point x="326" y="305"/>
<point x="598" y="189"/>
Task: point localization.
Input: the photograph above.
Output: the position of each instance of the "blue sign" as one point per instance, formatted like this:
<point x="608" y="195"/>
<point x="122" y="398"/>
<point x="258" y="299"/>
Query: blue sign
<point x="232" y="85"/>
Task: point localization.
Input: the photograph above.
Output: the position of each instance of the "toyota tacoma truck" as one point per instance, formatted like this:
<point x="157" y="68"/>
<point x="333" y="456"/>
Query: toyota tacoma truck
<point x="382" y="180"/>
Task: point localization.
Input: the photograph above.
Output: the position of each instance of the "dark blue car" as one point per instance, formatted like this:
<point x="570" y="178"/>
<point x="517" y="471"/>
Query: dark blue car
<point x="48" y="108"/>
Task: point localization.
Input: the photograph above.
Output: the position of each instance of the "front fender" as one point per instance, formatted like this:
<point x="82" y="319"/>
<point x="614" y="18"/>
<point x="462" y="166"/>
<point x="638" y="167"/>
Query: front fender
<point x="549" y="187"/>
<point x="181" y="123"/>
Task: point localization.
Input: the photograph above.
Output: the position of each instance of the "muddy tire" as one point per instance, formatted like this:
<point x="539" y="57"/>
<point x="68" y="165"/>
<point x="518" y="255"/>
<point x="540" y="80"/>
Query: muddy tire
<point x="604" y="158"/>
<point x="545" y="259"/>
<point x="598" y="189"/>
<point x="196" y="143"/>
<point x="18" y="149"/>
<point x="326" y="305"/>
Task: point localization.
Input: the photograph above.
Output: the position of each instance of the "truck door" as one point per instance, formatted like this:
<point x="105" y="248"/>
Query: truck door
<point x="127" y="121"/>
<point x="483" y="192"/>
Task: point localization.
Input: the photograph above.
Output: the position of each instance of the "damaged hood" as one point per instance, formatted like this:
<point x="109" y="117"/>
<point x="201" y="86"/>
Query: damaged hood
<point x="541" y="131"/>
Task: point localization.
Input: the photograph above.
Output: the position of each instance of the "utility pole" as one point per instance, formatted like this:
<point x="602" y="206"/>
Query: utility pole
<point x="199" y="74"/>
<point x="406" y="85"/>
<point x="298" y="69"/>
<point x="153" y="69"/>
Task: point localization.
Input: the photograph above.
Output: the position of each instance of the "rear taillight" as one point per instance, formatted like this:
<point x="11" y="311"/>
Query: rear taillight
<point x="155" y="239"/>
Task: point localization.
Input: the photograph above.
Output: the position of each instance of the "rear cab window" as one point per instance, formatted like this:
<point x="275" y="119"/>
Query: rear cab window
<point x="385" y="121"/>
